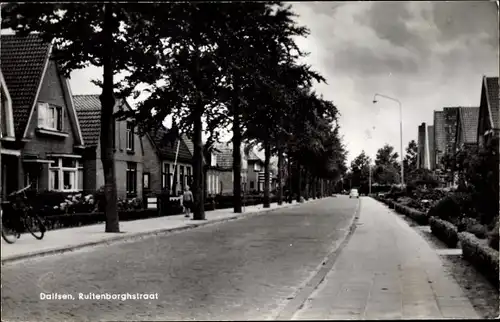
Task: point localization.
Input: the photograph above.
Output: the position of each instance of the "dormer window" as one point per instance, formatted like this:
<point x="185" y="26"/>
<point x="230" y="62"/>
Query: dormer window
<point x="50" y="117"/>
<point x="130" y="136"/>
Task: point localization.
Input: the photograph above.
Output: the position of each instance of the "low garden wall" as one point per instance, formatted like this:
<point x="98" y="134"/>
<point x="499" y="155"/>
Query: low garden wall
<point x="483" y="257"/>
<point x="84" y="213"/>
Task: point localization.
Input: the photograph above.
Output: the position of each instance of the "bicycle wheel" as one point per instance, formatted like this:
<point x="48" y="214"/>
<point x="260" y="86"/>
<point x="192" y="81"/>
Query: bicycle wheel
<point x="35" y="226"/>
<point x="8" y="234"/>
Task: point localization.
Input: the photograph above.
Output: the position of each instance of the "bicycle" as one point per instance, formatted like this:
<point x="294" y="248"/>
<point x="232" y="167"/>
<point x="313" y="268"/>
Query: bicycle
<point x="17" y="215"/>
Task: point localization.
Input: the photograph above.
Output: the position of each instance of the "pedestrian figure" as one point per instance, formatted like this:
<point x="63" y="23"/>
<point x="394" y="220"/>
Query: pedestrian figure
<point x="187" y="201"/>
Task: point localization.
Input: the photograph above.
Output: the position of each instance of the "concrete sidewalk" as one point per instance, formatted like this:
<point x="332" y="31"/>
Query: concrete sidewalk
<point x="386" y="271"/>
<point x="69" y="239"/>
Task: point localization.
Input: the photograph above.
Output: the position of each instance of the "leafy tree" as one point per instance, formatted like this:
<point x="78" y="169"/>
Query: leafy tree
<point x="111" y="36"/>
<point x="411" y="157"/>
<point x="360" y="170"/>
<point x="387" y="156"/>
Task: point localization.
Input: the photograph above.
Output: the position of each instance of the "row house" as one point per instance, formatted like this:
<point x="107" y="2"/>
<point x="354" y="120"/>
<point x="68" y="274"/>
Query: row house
<point x="46" y="147"/>
<point x="455" y="128"/>
<point x="130" y="149"/>
<point x="467" y="124"/>
<point x="224" y="157"/>
<point x="211" y="168"/>
<point x="488" y="130"/>
<point x="169" y="166"/>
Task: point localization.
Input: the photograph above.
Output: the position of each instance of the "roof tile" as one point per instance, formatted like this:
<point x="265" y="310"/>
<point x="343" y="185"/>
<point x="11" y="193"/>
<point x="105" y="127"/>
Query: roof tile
<point x="493" y="97"/>
<point x="22" y="62"/>
<point x="469" y="119"/>
<point x="167" y="147"/>
<point x="88" y="108"/>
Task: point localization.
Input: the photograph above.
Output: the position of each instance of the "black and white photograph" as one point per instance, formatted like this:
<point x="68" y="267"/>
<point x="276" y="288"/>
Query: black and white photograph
<point x="249" y="160"/>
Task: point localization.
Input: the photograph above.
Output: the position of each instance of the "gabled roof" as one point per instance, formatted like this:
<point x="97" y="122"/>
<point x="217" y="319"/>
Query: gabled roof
<point x="167" y="148"/>
<point x="88" y="108"/>
<point x="7" y="113"/>
<point x="23" y="63"/>
<point x="492" y="96"/>
<point x="469" y="119"/>
<point x="225" y="156"/>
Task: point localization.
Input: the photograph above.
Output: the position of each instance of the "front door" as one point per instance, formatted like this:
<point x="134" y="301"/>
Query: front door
<point x="10" y="174"/>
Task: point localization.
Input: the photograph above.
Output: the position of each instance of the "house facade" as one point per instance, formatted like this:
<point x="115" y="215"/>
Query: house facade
<point x="130" y="149"/>
<point x="225" y="168"/>
<point x="488" y="130"/>
<point x="466" y="132"/>
<point x="169" y="165"/>
<point x="47" y="148"/>
<point x="255" y="172"/>
<point x="7" y="133"/>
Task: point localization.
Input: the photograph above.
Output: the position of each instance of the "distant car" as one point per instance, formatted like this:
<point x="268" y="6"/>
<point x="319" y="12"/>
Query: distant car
<point x="354" y="193"/>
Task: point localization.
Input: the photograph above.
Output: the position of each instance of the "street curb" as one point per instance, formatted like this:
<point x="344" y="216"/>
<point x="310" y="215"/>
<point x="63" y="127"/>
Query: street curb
<point x="297" y="300"/>
<point x="142" y="235"/>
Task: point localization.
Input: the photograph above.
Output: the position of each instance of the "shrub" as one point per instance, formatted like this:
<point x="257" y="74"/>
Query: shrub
<point x="480" y="231"/>
<point x="444" y="230"/>
<point x="419" y="217"/>
<point x="483" y="257"/>
<point x="447" y="209"/>
<point x="493" y="240"/>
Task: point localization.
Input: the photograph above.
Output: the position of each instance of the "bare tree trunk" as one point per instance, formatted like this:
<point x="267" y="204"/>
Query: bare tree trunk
<point x="199" y="202"/>
<point x="306" y="187"/>
<point x="236" y="153"/>
<point x="299" y="181"/>
<point x="280" y="174"/>
<point x="267" y="159"/>
<point x="290" y="190"/>
<point x="108" y="126"/>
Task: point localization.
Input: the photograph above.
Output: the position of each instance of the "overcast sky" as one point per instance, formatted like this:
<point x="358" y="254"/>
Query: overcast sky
<point x="426" y="54"/>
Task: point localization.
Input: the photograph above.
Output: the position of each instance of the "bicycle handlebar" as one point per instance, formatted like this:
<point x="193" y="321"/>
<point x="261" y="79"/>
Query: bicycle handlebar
<point x="20" y="191"/>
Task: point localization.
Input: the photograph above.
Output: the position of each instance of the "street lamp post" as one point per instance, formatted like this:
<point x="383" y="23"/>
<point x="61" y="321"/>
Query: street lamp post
<point x="370" y="179"/>
<point x="400" y="129"/>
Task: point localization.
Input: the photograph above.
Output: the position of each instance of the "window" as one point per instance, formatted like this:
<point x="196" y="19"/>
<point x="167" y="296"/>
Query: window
<point x="189" y="176"/>
<point x="213" y="161"/>
<point x="256" y="166"/>
<point x="131" y="178"/>
<point x="182" y="178"/>
<point x="50" y="117"/>
<point x="65" y="174"/>
<point x="252" y="185"/>
<point x="130" y="136"/>
<point x="145" y="181"/>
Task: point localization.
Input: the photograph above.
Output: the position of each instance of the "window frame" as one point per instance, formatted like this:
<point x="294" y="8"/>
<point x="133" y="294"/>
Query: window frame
<point x="131" y="171"/>
<point x="130" y="137"/>
<point x="57" y="167"/>
<point x="52" y="118"/>
<point x="148" y="185"/>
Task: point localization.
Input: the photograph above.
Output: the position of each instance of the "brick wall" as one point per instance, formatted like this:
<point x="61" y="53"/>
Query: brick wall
<point x="152" y="165"/>
<point x="226" y="180"/>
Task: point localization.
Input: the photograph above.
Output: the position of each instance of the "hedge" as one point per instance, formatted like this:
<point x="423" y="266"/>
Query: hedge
<point x="85" y="219"/>
<point x="483" y="257"/>
<point x="418" y="216"/>
<point x="445" y="231"/>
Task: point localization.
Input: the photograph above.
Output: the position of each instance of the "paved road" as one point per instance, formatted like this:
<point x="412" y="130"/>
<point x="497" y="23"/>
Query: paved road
<point x="241" y="270"/>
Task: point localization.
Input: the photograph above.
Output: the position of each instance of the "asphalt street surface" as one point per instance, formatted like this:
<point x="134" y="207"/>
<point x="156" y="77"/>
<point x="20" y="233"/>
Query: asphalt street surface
<point x="246" y="269"/>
